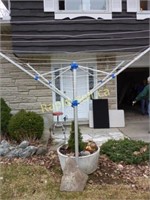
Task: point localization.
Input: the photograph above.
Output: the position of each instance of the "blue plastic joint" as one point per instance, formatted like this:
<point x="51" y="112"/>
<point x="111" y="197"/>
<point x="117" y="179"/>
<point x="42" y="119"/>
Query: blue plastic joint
<point x="113" y="75"/>
<point x="75" y="103"/>
<point x="49" y="82"/>
<point x="100" y="81"/>
<point x="36" y="77"/>
<point x="74" y="65"/>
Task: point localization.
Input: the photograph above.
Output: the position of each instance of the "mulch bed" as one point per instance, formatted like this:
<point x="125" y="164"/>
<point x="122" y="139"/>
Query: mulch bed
<point x="108" y="172"/>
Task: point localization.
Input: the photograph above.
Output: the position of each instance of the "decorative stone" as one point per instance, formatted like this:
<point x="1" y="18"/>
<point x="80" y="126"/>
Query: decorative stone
<point x="14" y="153"/>
<point x="22" y="150"/>
<point x="5" y="144"/>
<point x="84" y="153"/>
<point x="11" y="148"/>
<point x="25" y="154"/>
<point x="42" y="150"/>
<point x="24" y="144"/>
<point x="28" y="151"/>
<point x="73" y="179"/>
<point x="120" y="167"/>
<point x="4" y="151"/>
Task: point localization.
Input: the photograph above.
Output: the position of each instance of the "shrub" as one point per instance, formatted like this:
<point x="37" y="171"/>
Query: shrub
<point x="25" y="125"/>
<point x="128" y="151"/>
<point x="71" y="141"/>
<point x="5" y="116"/>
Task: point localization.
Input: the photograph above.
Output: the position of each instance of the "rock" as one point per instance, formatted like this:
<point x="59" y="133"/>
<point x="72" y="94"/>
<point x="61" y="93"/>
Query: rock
<point x="27" y="152"/>
<point x="14" y="153"/>
<point x="23" y="150"/>
<point x="42" y="150"/>
<point x="24" y="144"/>
<point x="91" y="146"/>
<point x="4" y="151"/>
<point x="120" y="167"/>
<point x="73" y="178"/>
<point x="11" y="148"/>
<point x="85" y="153"/>
<point x="5" y="144"/>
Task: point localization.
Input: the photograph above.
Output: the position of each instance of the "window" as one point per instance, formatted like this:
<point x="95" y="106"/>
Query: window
<point x="83" y="8"/>
<point x="144" y="5"/>
<point x="83" y="5"/>
<point x="140" y="7"/>
<point x="143" y="9"/>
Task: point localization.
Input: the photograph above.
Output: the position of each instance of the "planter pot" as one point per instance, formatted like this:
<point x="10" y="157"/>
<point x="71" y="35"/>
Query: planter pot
<point x="88" y="164"/>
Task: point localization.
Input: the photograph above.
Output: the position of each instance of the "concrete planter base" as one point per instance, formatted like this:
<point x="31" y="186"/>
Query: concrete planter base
<point x="88" y="164"/>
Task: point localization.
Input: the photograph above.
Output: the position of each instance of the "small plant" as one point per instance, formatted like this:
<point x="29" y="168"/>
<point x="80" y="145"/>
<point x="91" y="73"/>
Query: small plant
<point x="26" y="125"/>
<point x="128" y="151"/>
<point x="71" y="141"/>
<point x="5" y="116"/>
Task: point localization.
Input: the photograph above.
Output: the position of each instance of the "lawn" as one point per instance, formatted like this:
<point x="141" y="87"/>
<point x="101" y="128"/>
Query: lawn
<point x="39" y="178"/>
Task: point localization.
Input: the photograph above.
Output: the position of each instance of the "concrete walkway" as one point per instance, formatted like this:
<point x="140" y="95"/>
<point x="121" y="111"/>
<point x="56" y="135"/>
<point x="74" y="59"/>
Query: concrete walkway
<point x="99" y="136"/>
<point x="136" y="127"/>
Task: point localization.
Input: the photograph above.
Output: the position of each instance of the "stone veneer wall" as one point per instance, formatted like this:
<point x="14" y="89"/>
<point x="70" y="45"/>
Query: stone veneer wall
<point x="21" y="91"/>
<point x="107" y="63"/>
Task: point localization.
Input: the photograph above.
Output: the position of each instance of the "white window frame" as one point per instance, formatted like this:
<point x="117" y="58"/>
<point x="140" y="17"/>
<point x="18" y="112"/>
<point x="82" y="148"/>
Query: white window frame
<point x="112" y="6"/>
<point x="82" y="7"/>
<point x="104" y="14"/>
<point x="134" y="7"/>
<point x="142" y="14"/>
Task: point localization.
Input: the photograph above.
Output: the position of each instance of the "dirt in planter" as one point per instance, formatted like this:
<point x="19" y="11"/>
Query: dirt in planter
<point x="90" y="148"/>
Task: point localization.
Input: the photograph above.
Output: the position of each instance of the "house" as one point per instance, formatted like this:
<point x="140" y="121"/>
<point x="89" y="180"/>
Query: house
<point x="97" y="34"/>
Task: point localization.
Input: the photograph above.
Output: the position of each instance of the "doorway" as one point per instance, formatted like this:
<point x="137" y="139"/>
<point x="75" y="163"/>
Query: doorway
<point x="86" y="80"/>
<point x="82" y="89"/>
<point x="128" y="83"/>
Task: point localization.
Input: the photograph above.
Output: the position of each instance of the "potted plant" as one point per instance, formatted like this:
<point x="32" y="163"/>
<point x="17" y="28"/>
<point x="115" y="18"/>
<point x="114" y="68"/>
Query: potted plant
<point x="88" y="152"/>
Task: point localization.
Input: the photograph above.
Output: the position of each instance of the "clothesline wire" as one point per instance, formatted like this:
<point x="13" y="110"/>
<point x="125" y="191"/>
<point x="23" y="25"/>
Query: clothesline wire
<point x="79" y="60"/>
<point x="79" y="52"/>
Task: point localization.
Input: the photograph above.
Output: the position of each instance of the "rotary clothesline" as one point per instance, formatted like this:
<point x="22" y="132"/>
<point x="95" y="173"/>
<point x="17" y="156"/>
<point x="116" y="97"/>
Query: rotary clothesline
<point x="73" y="67"/>
<point x="41" y="76"/>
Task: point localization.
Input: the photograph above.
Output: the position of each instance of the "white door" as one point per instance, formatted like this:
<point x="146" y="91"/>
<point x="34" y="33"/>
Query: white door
<point x="82" y="89"/>
<point x="64" y="82"/>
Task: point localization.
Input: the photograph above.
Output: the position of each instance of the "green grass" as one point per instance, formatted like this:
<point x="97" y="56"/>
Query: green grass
<point x="25" y="182"/>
